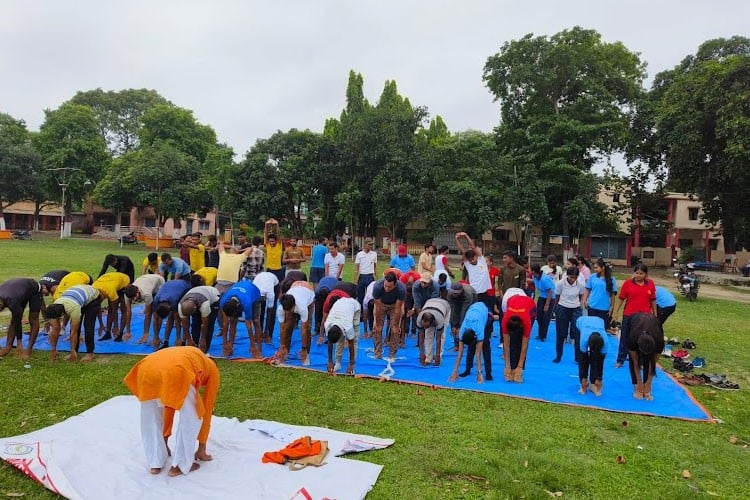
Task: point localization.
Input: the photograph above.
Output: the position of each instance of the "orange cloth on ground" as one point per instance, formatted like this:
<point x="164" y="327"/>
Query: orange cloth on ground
<point x="168" y="374"/>
<point x="302" y="447"/>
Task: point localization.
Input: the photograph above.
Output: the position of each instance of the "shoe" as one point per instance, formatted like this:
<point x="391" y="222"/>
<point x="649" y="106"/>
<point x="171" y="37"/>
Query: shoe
<point x="118" y="338"/>
<point x="674" y="341"/>
<point x="667" y="352"/>
<point x="556" y="360"/>
<point x="692" y="380"/>
<point x="699" y="362"/>
<point x="488" y="378"/>
<point x="465" y="373"/>
<point x="725" y="385"/>
<point x="688" y="344"/>
<point x="681" y="365"/>
<point x="305" y="358"/>
<point x="106" y="336"/>
<point x="681" y="354"/>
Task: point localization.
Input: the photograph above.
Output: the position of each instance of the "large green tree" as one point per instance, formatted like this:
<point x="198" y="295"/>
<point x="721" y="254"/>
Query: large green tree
<point x="19" y="164"/>
<point x="566" y="103"/>
<point x="701" y="113"/>
<point x="120" y="114"/>
<point x="73" y="151"/>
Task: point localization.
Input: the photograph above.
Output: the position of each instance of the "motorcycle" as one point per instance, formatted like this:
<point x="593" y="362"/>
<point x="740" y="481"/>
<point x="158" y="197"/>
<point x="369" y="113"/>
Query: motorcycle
<point x="21" y="234"/>
<point x="688" y="281"/>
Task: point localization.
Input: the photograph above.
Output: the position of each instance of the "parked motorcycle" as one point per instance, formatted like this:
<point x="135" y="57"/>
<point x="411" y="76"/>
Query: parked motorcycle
<point x="688" y="281"/>
<point x="21" y="234"/>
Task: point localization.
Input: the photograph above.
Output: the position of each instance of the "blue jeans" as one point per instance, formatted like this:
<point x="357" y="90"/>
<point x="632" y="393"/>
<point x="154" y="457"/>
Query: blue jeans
<point x="362" y="283"/>
<point x="565" y="318"/>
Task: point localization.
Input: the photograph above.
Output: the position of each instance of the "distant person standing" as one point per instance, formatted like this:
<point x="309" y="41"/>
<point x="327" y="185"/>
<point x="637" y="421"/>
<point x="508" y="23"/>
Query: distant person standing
<point x="334" y="262"/>
<point x="274" y="252"/>
<point x="365" y="267"/>
<point x="317" y="265"/>
<point x="402" y="260"/>
<point x="197" y="251"/>
<point x="293" y="256"/>
<point x="426" y="262"/>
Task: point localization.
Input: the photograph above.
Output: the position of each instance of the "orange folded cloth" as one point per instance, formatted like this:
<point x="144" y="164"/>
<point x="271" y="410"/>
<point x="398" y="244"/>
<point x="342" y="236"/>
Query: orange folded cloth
<point x="302" y="447"/>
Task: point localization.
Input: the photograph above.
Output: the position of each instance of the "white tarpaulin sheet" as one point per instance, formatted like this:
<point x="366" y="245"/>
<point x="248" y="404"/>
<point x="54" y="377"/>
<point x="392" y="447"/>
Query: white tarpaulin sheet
<point x="98" y="454"/>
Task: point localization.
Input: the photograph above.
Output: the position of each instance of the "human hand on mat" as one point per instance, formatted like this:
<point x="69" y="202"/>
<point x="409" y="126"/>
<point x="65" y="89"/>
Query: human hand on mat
<point x="453" y="377"/>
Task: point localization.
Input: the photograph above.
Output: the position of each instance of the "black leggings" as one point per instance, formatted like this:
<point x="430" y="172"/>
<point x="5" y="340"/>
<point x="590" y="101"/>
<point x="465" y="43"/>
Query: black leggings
<point x="515" y="341"/>
<point x="89" y="315"/>
<point x="591" y="367"/>
<point x="195" y="326"/>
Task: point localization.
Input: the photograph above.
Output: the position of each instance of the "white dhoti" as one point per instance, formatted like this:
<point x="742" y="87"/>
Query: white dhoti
<point x="430" y="339"/>
<point x="185" y="437"/>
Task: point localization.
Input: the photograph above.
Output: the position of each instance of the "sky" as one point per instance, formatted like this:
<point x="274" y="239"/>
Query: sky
<point x="249" y="68"/>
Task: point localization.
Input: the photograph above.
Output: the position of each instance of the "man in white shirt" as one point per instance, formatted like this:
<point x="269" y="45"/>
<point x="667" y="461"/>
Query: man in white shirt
<point x="296" y="305"/>
<point x="199" y="307"/>
<point x="365" y="264"/>
<point x="334" y="261"/>
<point x="342" y="326"/>
<point x="148" y="285"/>
<point x="269" y="287"/>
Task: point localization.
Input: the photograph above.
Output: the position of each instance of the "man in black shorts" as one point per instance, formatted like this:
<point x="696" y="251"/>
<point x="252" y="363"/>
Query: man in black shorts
<point x="16" y="294"/>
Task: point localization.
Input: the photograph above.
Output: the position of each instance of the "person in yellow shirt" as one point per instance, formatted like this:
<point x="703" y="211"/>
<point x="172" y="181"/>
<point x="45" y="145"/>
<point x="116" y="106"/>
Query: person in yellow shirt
<point x="229" y="266"/>
<point x="205" y="276"/>
<point x="112" y="286"/>
<point x="197" y="251"/>
<point x="151" y="264"/>
<point x="170" y="380"/>
<point x="69" y="280"/>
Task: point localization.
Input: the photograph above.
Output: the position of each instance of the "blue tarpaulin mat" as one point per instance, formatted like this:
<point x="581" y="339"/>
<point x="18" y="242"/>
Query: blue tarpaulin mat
<point x="543" y="380"/>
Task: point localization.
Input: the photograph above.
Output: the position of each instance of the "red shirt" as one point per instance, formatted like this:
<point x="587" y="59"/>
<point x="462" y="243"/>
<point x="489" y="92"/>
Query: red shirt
<point x="494" y="274"/>
<point x="524" y="307"/>
<point x="637" y="297"/>
<point x="334" y="293"/>
<point x="415" y="276"/>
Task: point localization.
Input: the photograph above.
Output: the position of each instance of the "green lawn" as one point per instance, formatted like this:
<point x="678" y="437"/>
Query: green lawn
<point x="449" y="444"/>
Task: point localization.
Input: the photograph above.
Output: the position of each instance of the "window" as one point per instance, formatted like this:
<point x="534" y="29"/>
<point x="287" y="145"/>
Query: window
<point x="693" y="213"/>
<point x="685" y="243"/>
<point x="150" y="222"/>
<point x="713" y="244"/>
<point x="204" y="225"/>
<point x="501" y="235"/>
<point x="616" y="198"/>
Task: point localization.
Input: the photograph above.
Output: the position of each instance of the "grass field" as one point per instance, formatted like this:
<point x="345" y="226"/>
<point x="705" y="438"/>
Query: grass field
<point x="449" y="444"/>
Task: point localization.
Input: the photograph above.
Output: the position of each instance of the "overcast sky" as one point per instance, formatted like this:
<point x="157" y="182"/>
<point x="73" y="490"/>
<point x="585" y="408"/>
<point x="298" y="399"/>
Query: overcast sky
<point x="249" y="68"/>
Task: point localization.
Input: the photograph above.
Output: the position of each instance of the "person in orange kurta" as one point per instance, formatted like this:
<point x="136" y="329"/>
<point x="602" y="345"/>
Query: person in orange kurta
<point x="167" y="380"/>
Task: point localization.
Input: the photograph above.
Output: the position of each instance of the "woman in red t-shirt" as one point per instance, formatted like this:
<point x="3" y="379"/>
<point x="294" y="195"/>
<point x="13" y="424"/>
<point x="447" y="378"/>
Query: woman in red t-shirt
<point x="638" y="294"/>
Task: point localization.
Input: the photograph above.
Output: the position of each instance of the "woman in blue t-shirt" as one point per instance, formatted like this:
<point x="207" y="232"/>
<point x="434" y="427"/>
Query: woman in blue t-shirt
<point x="601" y="288"/>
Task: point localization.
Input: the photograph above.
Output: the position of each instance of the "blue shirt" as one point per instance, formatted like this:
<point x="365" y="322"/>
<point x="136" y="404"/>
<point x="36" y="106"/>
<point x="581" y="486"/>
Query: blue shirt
<point x="319" y="252"/>
<point x="327" y="282"/>
<point x="545" y="285"/>
<point x="476" y="319"/>
<point x="178" y="266"/>
<point x="598" y="296"/>
<point x="404" y="264"/>
<point x="586" y="334"/>
<point x="664" y="297"/>
<point x="172" y="291"/>
<point x="247" y="293"/>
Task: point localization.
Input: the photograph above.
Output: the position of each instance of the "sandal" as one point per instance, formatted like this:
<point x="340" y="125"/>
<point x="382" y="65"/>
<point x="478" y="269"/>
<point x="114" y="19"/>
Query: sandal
<point x="688" y="344"/>
<point x="725" y="386"/>
<point x="699" y="362"/>
<point x="683" y="366"/>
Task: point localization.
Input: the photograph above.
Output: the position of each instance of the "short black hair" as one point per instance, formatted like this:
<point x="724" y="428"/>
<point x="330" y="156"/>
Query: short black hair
<point x="196" y="280"/>
<point x="153" y="257"/>
<point x="110" y="259"/>
<point x="163" y="309"/>
<point x="428" y="318"/>
<point x="469" y="337"/>
<point x="232" y="307"/>
<point x="130" y="291"/>
<point x="572" y="271"/>
<point x="514" y="325"/>
<point x="334" y="334"/>
<point x="257" y="240"/>
<point x="443" y="248"/>
<point x="54" y="311"/>
<point x="596" y="343"/>
<point x="470" y="254"/>
<point x="391" y="277"/>
<point x="287" y="302"/>
<point x="166" y="256"/>
<point x="241" y="233"/>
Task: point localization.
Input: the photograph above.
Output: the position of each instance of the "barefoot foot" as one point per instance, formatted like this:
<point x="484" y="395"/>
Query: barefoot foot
<point x="72" y="357"/>
<point x="155" y="470"/>
<point x="175" y="471"/>
<point x="87" y="358"/>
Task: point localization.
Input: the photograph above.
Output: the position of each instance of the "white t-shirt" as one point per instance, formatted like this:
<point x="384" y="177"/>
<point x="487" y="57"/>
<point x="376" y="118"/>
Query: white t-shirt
<point x="148" y="285"/>
<point x="334" y="263"/>
<point x="366" y="261"/>
<point x="303" y="297"/>
<point x="205" y="296"/>
<point x="479" y="275"/>
<point x="368" y="295"/>
<point x="570" y="295"/>
<point x="345" y="313"/>
<point x="510" y="292"/>
<point x="266" y="282"/>
<point x="439" y="266"/>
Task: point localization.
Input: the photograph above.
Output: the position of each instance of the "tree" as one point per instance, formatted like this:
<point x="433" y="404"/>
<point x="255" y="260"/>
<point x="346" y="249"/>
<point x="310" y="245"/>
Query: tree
<point x="279" y="177"/>
<point x="701" y="113"/>
<point x="116" y="190"/>
<point x="19" y="163"/>
<point x="72" y="150"/>
<point x="119" y="114"/>
<point x="178" y="128"/>
<point x="566" y="103"/>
